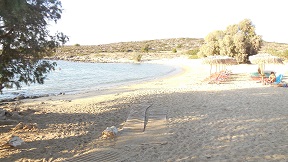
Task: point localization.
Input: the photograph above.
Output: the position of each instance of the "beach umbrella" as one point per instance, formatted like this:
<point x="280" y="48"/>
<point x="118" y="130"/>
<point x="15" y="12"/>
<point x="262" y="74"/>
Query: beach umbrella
<point x="262" y="59"/>
<point x="218" y="61"/>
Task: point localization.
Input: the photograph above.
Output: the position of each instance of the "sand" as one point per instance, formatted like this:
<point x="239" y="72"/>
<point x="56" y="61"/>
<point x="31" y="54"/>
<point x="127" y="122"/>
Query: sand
<point x="175" y="118"/>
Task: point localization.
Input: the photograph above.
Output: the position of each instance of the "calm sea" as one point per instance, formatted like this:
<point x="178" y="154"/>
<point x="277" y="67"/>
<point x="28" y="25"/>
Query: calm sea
<point x="76" y="77"/>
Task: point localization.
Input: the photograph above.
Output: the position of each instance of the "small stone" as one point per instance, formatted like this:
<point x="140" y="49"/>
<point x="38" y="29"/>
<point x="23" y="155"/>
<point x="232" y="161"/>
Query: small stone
<point x="109" y="132"/>
<point x="15" y="141"/>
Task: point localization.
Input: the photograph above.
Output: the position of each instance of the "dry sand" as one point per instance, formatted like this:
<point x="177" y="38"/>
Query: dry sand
<point x="183" y="118"/>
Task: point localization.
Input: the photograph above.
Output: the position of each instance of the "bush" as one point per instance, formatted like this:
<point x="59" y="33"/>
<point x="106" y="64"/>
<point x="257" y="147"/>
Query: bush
<point x="193" y="57"/>
<point x="77" y="44"/>
<point x="272" y="51"/>
<point x="283" y="54"/>
<point x="179" y="46"/>
<point x="275" y="52"/>
<point x="137" y="57"/>
<point x="193" y="53"/>
<point x="174" y="50"/>
<point x="145" y="48"/>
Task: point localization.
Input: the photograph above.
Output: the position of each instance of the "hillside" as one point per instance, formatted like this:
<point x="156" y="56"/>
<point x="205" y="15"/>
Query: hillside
<point x="149" y="50"/>
<point x="125" y="51"/>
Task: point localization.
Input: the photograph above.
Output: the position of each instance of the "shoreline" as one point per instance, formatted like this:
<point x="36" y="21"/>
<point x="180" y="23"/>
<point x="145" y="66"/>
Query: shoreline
<point x="102" y="88"/>
<point x="123" y="87"/>
<point x="235" y="120"/>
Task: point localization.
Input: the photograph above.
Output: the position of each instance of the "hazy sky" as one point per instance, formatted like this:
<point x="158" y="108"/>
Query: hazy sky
<point x="92" y="22"/>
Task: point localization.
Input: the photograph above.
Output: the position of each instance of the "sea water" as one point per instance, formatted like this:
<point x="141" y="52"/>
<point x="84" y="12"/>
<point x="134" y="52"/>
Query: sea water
<point x="75" y="77"/>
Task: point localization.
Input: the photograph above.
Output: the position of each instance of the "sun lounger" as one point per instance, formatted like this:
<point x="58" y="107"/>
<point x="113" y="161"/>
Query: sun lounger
<point x="278" y="79"/>
<point x="219" y="77"/>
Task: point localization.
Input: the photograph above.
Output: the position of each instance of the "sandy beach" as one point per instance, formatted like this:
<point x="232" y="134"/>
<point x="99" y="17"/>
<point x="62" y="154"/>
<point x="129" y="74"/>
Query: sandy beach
<point x="179" y="117"/>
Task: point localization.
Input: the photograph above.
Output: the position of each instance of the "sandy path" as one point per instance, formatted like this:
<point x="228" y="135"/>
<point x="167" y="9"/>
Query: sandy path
<point x="239" y="120"/>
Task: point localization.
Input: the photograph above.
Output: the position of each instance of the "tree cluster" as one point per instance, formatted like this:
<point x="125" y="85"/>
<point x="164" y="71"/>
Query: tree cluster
<point x="238" y="41"/>
<point x="25" y="40"/>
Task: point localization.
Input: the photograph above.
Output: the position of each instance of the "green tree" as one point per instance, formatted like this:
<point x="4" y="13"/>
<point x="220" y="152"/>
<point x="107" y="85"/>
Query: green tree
<point x="211" y="46"/>
<point x="25" y="40"/>
<point x="226" y="46"/>
<point x="247" y="43"/>
<point x="239" y="41"/>
<point x="240" y="47"/>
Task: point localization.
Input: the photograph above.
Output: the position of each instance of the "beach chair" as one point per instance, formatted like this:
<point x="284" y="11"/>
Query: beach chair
<point x="278" y="79"/>
<point x="219" y="77"/>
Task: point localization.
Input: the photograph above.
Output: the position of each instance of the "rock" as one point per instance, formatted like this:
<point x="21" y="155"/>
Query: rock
<point x="109" y="132"/>
<point x="15" y="141"/>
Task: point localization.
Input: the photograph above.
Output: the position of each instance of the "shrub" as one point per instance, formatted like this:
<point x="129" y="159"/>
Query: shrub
<point x="193" y="53"/>
<point x="145" y="48"/>
<point x="275" y="52"/>
<point x="193" y="57"/>
<point x="272" y="51"/>
<point x="137" y="57"/>
<point x="174" y="50"/>
<point x="77" y="44"/>
<point x="179" y="46"/>
<point x="283" y="54"/>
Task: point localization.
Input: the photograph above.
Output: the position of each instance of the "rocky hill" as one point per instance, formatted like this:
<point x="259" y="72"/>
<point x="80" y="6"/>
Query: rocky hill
<point x="149" y="50"/>
<point x="126" y="51"/>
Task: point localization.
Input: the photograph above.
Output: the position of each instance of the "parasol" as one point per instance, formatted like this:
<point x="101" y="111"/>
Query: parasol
<point x="219" y="60"/>
<point x="262" y="59"/>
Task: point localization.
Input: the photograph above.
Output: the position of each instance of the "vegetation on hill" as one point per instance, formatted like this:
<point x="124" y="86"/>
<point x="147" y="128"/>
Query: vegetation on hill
<point x="276" y="49"/>
<point x="148" y="50"/>
<point x="125" y="51"/>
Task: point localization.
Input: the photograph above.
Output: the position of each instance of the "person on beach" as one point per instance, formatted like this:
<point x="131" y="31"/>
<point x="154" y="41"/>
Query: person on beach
<point x="272" y="78"/>
<point x="259" y="71"/>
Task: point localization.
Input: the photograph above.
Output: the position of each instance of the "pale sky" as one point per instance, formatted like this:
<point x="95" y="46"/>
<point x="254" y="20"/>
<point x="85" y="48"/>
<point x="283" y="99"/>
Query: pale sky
<point x="93" y="22"/>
